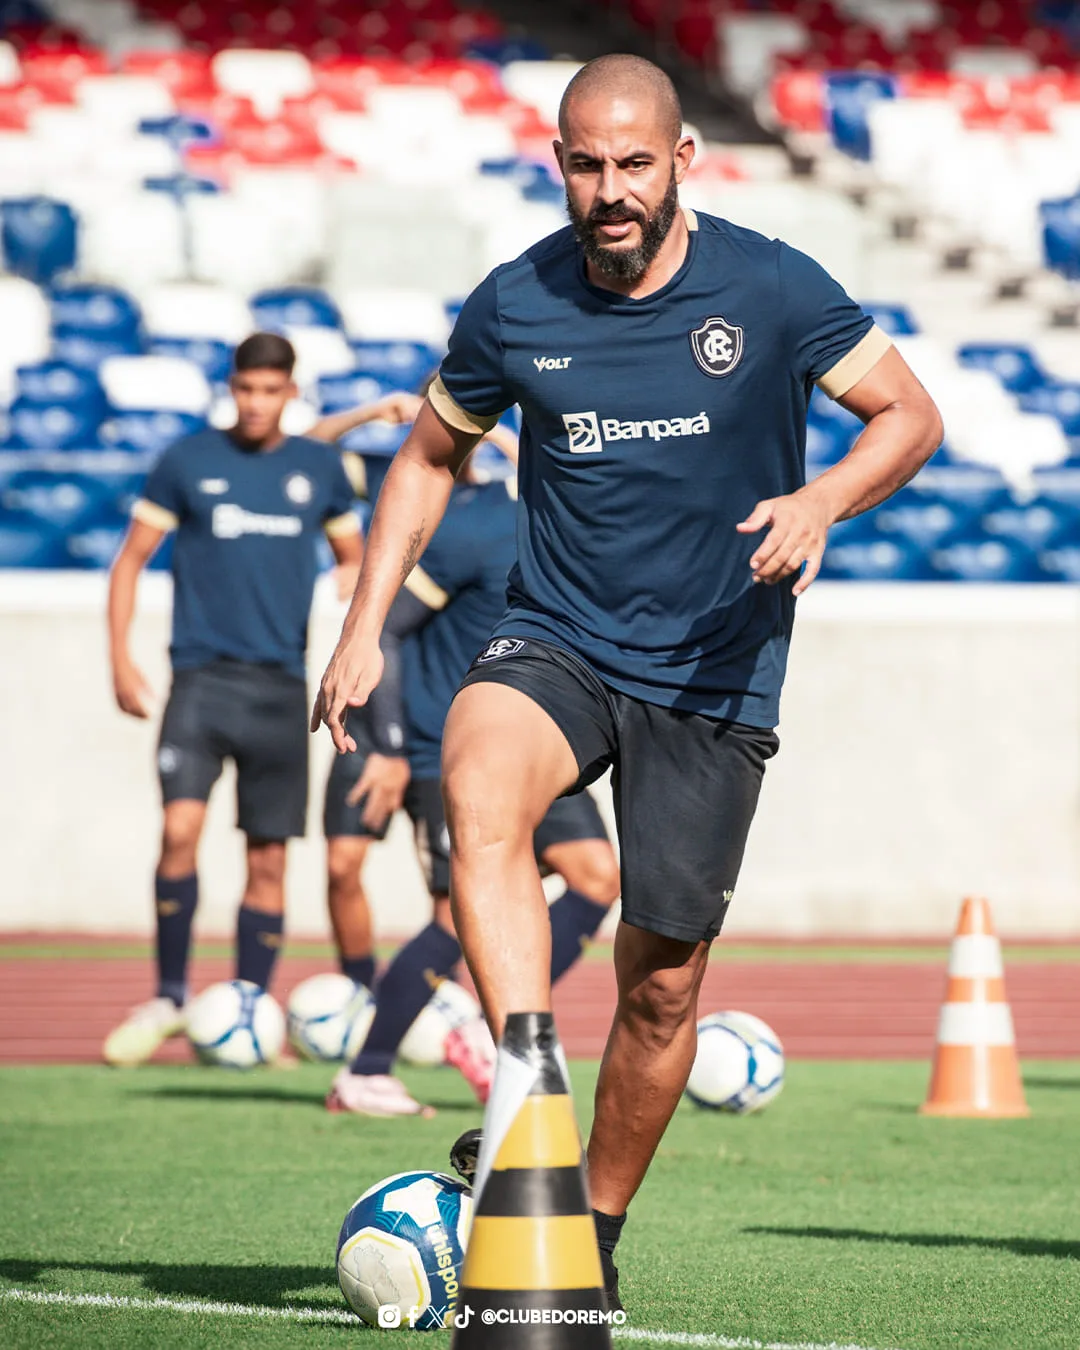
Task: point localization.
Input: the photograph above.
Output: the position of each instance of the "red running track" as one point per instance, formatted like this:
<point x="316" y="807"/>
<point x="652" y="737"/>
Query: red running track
<point x="58" y="1011"/>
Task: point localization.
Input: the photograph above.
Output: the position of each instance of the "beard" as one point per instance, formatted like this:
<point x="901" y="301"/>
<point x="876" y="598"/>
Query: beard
<point x="620" y="263"/>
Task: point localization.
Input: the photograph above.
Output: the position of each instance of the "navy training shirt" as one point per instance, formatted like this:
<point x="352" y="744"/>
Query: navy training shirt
<point x="244" y="563"/>
<point x="651" y="427"/>
<point x="463" y="577"/>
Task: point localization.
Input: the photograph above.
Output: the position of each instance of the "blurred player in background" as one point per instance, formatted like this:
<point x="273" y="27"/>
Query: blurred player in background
<point x="247" y="506"/>
<point x="445" y="612"/>
<point x="663" y="361"/>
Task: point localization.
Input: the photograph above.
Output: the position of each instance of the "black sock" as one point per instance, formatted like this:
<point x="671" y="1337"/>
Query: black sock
<point x="574" y="919"/>
<point x="403" y="991"/>
<point x="608" y="1229"/>
<point x="258" y="941"/>
<point x="175" y="899"/>
<point x="360" y="969"/>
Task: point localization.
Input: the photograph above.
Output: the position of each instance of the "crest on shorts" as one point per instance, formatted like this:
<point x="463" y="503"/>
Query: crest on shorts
<point x="500" y="647"/>
<point x="717" y="346"/>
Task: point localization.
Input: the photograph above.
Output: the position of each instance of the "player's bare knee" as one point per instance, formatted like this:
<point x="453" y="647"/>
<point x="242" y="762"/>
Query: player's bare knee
<point x="589" y="867"/>
<point x="661" y="1002"/>
<point x="344" y="858"/>
<point x="478" y="820"/>
<point x="180" y="835"/>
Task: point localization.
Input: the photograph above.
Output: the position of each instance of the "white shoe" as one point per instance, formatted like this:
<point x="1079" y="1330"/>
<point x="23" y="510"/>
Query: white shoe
<point x="373" y="1094"/>
<point x="141" y="1033"/>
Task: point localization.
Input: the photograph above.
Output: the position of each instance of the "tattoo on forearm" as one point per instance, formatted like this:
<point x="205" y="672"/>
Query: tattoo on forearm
<point x="412" y="552"/>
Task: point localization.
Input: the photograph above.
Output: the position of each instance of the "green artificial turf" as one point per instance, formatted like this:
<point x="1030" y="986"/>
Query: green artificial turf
<point x="837" y="1215"/>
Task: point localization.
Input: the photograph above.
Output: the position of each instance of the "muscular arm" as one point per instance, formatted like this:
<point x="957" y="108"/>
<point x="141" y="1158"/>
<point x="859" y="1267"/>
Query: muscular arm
<point x="410" y="506"/>
<point x="903" y="429"/>
<point x="138" y="548"/>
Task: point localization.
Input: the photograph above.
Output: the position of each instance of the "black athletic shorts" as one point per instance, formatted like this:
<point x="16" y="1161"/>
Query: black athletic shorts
<point x="569" y="819"/>
<point x="255" y="715"/>
<point x="686" y="786"/>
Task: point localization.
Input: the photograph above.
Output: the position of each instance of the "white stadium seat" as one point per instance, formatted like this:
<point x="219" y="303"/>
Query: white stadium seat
<point x="295" y="201"/>
<point x="191" y="310"/>
<point x="162" y="382"/>
<point x="265" y="77"/>
<point x="10" y="69"/>
<point x="539" y="84"/>
<point x="750" y="41"/>
<point x="379" y="314"/>
<point x="319" y="351"/>
<point x="133" y="239"/>
<point x="25" y="331"/>
<point x="22" y="170"/>
<point x="234" y="244"/>
<point x="123" y="100"/>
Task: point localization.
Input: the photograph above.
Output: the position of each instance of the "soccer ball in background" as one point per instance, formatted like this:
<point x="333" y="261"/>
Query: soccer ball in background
<point x="449" y="1007"/>
<point x="402" y="1246"/>
<point x="235" y="1024"/>
<point x="329" y="1017"/>
<point x="739" y="1066"/>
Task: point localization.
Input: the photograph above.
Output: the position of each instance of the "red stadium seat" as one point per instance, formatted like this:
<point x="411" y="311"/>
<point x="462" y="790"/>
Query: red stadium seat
<point x="185" y="74"/>
<point x="56" y="71"/>
<point x="799" y="100"/>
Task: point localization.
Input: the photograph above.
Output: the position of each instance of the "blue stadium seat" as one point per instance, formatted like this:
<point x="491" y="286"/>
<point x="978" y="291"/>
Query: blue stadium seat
<point x="1059" y="484"/>
<point x="403" y="364"/>
<point x="95" y="547"/>
<point x="1056" y="400"/>
<point x="39" y="238"/>
<point x="59" y="500"/>
<point x="149" y="430"/>
<point x="351" y="390"/>
<point x="921" y="518"/>
<point x="104" y="311"/>
<point x="1038" y="524"/>
<point x="51" y="383"/>
<point x="827" y="441"/>
<point x="213" y="357"/>
<point x="376" y="439"/>
<point x="181" y="129"/>
<point x="847" y="97"/>
<point x="1061" y="235"/>
<point x="85" y="348"/>
<point x="978" y="557"/>
<point x="26" y="542"/>
<point x="295" y="307"/>
<point x="453" y="309"/>
<point x="896" y="320"/>
<point x="180" y="186"/>
<point x="1061" y="563"/>
<point x="1016" y="366"/>
<point x="34" y="426"/>
<point x="974" y="487"/>
<point x="503" y="50"/>
<point x="874" y="559"/>
<point x="824" y="409"/>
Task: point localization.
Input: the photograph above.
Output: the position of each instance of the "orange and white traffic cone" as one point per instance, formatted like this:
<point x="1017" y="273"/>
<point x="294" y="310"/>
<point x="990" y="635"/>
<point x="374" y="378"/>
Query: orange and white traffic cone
<point x="976" y="1071"/>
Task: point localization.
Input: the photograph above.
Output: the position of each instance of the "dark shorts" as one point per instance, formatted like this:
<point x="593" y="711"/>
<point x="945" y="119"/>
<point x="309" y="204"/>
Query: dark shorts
<point x="686" y="786"/>
<point x="569" y="820"/>
<point x="255" y="715"/>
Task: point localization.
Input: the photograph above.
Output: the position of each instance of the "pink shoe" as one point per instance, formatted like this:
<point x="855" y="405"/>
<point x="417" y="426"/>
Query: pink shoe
<point x="375" y="1094"/>
<point x="470" y="1049"/>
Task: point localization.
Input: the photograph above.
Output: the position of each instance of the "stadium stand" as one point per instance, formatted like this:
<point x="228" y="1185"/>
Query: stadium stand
<point x="177" y="172"/>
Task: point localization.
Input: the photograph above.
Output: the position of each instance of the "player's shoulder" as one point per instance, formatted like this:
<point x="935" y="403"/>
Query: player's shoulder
<point x="190" y="450"/>
<point x="720" y="235"/>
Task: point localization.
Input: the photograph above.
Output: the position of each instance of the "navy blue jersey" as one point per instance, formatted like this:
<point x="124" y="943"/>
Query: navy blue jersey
<point x="244" y="563"/>
<point x="651" y="428"/>
<point x="463" y="578"/>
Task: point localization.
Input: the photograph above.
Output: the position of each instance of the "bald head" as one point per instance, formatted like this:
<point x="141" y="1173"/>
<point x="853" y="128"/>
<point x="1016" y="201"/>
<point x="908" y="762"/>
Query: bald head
<point x="631" y="78"/>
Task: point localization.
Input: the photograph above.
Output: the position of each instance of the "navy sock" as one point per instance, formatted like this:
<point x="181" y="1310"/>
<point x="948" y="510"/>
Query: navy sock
<point x="608" y="1230"/>
<point x="258" y="941"/>
<point x="175" y="899"/>
<point x="574" y="919"/>
<point x="403" y="991"/>
<point x="360" y="969"/>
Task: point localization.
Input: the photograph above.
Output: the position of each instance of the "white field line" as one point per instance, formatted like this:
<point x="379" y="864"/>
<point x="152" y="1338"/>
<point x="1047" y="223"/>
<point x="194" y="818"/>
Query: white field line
<point x="338" y="1317"/>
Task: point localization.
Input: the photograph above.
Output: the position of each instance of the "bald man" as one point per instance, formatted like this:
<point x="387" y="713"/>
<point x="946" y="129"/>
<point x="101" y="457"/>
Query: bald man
<point x="663" y="361"/>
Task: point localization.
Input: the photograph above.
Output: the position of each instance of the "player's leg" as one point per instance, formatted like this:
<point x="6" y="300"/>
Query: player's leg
<point x="189" y="763"/>
<point x="693" y="783"/>
<point x="268" y="740"/>
<point x="573" y="842"/>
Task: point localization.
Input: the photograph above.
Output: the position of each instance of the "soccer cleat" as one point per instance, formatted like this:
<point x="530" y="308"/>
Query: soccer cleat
<point x="611" y="1282"/>
<point x="142" y="1032"/>
<point x="470" y="1049"/>
<point x="465" y="1154"/>
<point x="373" y="1094"/>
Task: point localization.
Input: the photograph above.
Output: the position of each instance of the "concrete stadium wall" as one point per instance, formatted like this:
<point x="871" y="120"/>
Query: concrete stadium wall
<point x="930" y="748"/>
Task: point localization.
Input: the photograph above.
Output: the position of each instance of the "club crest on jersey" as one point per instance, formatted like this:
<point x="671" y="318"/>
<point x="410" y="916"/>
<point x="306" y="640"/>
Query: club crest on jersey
<point x="299" y="489"/>
<point x="500" y="647"/>
<point x="717" y="346"/>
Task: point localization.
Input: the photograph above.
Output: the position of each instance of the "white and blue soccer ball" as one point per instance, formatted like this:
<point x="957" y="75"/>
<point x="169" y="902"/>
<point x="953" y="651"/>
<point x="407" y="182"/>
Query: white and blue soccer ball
<point x="739" y="1066"/>
<point x="449" y="1007"/>
<point x="329" y="1016"/>
<point x="402" y="1246"/>
<point x="236" y="1024"/>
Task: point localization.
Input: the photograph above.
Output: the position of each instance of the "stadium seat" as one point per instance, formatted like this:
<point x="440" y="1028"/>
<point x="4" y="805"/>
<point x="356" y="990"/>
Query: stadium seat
<point x="77" y="346"/>
<point x="351" y="389"/>
<point x="1017" y="367"/>
<point x="105" y="311"/>
<point x="847" y="101"/>
<point x="53" y="383"/>
<point x="1058" y="400"/>
<point x="977" y="557"/>
<point x="148" y="431"/>
<point x="213" y="357"/>
<point x="233" y="244"/>
<point x="24" y="333"/>
<point x="922" y="519"/>
<point x="185" y="73"/>
<point x="95" y="547"/>
<point x="387" y="315"/>
<point x="191" y="310"/>
<point x="62" y="501"/>
<point x="1061" y="235"/>
<point x="319" y="352"/>
<point x="160" y="383"/>
<point x="40" y="238"/>
<point x="874" y="560"/>
<point x="26" y="542"/>
<point x="896" y="320"/>
<point x="33" y="426"/>
<point x="402" y="364"/>
<point x="1038" y="524"/>
<point x="136" y="239"/>
<point x="122" y="101"/>
<point x="265" y="77"/>
<point x="295" y="307"/>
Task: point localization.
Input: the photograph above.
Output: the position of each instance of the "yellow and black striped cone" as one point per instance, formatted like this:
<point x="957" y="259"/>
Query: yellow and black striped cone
<point x="532" y="1276"/>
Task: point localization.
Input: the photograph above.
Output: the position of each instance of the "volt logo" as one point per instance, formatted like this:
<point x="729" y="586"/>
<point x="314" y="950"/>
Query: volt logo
<point x="543" y="363"/>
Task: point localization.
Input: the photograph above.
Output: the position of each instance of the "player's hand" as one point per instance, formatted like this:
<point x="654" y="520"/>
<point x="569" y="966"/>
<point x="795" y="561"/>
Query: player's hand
<point x="383" y="783"/>
<point x="354" y="671"/>
<point x="800" y="527"/>
<point x="398" y="408"/>
<point x="133" y="694"/>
